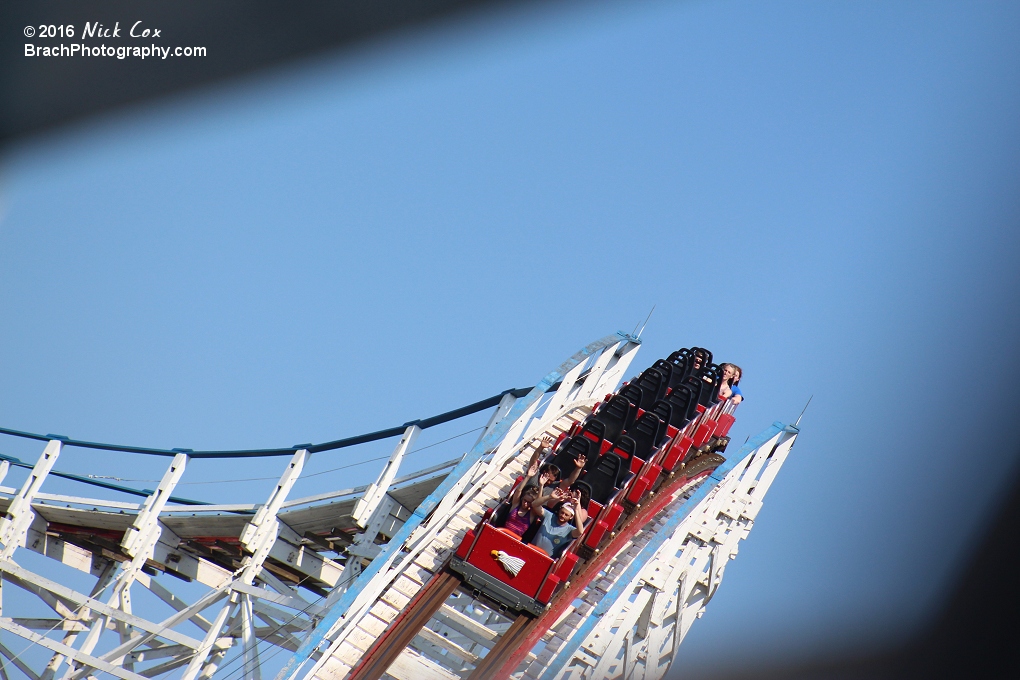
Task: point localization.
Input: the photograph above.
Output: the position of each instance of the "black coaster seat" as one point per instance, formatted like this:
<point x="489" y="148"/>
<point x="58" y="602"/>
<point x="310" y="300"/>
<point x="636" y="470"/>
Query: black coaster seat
<point x="617" y="415"/>
<point x="682" y="404"/>
<point x="593" y="429"/>
<point x="695" y="385"/>
<point x="573" y="448"/>
<point x="664" y="411"/>
<point x="632" y="393"/>
<point x="625" y="447"/>
<point x="652" y="387"/>
<point x="666" y="369"/>
<point x="678" y="360"/>
<point x="647" y="433"/>
<point x="711" y="379"/>
<point x="602" y="477"/>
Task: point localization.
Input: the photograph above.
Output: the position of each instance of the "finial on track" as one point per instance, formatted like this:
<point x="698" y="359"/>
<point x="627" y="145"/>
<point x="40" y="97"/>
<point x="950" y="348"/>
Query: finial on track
<point x="805" y="409"/>
<point x="639" y="332"/>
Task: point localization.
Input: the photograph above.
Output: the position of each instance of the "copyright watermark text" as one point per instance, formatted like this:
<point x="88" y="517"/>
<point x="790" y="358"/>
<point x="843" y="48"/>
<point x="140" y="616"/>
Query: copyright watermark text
<point x="129" y="32"/>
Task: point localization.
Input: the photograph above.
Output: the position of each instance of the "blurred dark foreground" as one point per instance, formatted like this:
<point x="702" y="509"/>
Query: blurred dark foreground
<point x="974" y="636"/>
<point x="239" y="36"/>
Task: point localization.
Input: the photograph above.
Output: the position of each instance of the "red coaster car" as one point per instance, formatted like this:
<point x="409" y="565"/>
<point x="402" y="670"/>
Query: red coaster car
<point x="522" y="577"/>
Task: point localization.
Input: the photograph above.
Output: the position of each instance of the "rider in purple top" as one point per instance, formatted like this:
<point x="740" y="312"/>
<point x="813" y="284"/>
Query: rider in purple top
<point x="520" y="516"/>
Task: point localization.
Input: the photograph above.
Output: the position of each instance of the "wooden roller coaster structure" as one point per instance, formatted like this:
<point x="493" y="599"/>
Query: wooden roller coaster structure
<point x="396" y="579"/>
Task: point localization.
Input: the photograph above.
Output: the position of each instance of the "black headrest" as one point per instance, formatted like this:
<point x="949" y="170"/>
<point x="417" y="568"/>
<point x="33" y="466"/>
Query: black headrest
<point x="662" y="409"/>
<point x="683" y="405"/>
<point x="576" y="446"/>
<point x="602" y="478"/>
<point x="632" y="393"/>
<point x="665" y="368"/>
<point x="617" y="414"/>
<point x="652" y="387"/>
<point x="647" y="433"/>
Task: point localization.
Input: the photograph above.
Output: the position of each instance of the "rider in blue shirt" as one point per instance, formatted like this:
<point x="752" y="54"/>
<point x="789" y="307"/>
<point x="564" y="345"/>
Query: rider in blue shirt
<point x="730" y="378"/>
<point x="558" y="529"/>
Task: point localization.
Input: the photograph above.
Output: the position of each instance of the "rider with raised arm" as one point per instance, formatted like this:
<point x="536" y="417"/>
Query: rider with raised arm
<point x="557" y="529"/>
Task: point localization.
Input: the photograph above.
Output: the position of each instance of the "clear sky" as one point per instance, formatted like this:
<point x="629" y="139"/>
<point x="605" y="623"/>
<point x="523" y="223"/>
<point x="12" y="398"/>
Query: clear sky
<point x="824" y="193"/>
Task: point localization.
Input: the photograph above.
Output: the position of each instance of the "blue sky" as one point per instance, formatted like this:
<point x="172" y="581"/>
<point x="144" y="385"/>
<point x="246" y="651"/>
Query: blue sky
<point x="825" y="194"/>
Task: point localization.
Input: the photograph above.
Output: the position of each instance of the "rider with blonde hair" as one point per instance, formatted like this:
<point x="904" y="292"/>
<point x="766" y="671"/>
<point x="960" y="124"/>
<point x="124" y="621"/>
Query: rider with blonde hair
<point x="730" y="379"/>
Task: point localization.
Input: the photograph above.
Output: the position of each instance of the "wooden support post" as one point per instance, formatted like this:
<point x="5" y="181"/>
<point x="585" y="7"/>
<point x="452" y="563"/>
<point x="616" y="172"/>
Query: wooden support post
<point x="14" y="527"/>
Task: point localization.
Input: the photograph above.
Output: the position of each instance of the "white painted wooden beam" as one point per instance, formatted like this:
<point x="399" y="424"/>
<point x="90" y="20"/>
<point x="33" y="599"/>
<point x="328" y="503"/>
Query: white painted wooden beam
<point x="366" y="507"/>
<point x="503" y="408"/>
<point x="71" y="652"/>
<point x="260" y="534"/>
<point x="143" y="533"/>
<point x="259" y="537"/>
<point x="207" y="600"/>
<point x="14" y="527"/>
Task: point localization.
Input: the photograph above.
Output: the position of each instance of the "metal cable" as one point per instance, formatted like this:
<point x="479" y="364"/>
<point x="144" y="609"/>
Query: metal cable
<point x="424" y="424"/>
